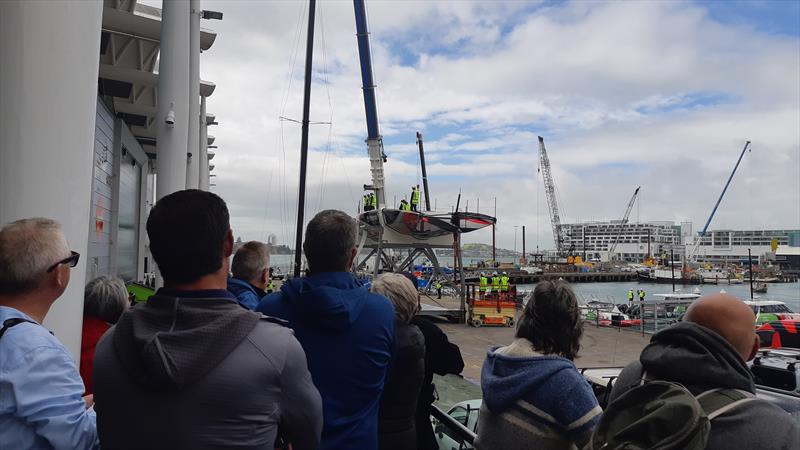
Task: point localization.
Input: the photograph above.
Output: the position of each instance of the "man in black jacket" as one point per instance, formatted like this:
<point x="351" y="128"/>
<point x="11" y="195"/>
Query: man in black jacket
<point x="708" y="350"/>
<point x="191" y="369"/>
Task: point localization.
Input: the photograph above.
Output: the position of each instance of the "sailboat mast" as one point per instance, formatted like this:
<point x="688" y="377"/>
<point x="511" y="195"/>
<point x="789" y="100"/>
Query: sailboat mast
<point x="424" y="172"/>
<point x="301" y="200"/>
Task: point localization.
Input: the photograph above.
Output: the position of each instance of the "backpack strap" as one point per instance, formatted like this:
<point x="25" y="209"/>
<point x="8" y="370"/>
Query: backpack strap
<point x="8" y="323"/>
<point x="716" y="402"/>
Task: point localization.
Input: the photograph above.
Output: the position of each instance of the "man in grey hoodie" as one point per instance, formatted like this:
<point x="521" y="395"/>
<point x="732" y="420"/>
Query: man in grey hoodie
<point x="191" y="369"/>
<point x="708" y="350"/>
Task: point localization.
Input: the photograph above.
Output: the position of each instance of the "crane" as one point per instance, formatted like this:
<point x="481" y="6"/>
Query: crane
<point x="550" y="193"/>
<point x="699" y="238"/>
<point x="374" y="141"/>
<point x="622" y="223"/>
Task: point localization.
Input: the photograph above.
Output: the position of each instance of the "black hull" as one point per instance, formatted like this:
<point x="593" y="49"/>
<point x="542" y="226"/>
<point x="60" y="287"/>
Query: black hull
<point x="658" y="280"/>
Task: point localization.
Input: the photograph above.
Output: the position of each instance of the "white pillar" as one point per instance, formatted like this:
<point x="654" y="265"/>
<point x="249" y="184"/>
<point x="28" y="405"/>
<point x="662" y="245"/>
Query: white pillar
<point x="173" y="99"/>
<point x="48" y="99"/>
<point x="193" y="166"/>
<point x="203" y="158"/>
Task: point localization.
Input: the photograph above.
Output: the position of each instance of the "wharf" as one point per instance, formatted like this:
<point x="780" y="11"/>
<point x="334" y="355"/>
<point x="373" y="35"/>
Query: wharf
<point x="600" y="347"/>
<point x="521" y="277"/>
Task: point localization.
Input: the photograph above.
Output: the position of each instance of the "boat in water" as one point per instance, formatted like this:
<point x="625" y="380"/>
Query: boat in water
<point x="667" y="276"/>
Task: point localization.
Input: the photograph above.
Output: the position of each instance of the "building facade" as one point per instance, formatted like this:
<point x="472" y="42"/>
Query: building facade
<point x="635" y="241"/>
<point x="731" y="246"/>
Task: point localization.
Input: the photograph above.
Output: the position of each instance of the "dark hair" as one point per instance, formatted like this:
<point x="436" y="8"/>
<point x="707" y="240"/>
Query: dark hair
<point x="551" y="320"/>
<point x="187" y="232"/>
<point x="330" y="236"/>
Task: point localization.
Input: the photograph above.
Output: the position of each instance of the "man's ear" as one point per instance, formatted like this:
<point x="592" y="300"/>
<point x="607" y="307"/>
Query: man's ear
<point x="756" y="346"/>
<point x="352" y="258"/>
<point x="265" y="276"/>
<point x="227" y="247"/>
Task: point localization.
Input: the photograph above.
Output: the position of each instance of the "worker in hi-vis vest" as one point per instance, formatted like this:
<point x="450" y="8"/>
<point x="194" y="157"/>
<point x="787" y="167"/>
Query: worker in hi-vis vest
<point x="366" y="202"/>
<point x="630" y="295"/>
<point x="404" y="206"/>
<point x="414" y="197"/>
<point x="438" y="287"/>
<point x="495" y="282"/>
<point x="484" y="283"/>
<point x="373" y="201"/>
<point x="504" y="282"/>
<point x="641" y="295"/>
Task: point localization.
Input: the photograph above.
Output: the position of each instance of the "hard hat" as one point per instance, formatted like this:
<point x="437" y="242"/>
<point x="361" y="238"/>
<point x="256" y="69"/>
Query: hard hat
<point x="505" y="273"/>
<point x="495" y="273"/>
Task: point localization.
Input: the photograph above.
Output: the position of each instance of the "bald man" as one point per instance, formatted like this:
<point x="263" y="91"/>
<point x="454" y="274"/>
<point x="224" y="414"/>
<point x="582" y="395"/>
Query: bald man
<point x="708" y="350"/>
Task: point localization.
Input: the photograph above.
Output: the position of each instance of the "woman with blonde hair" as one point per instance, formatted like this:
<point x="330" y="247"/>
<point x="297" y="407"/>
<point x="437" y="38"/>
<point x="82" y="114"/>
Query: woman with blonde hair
<point x="396" y="419"/>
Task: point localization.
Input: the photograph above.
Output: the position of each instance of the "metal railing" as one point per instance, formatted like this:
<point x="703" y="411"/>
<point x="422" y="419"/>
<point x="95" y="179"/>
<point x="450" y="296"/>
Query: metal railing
<point x="462" y="433"/>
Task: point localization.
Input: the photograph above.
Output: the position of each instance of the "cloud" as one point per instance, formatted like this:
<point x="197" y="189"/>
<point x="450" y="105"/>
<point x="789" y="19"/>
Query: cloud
<point x="657" y="94"/>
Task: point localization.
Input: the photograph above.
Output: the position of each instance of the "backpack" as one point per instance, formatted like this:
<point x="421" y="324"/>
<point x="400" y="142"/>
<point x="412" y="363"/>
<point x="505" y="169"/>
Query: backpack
<point x="663" y="415"/>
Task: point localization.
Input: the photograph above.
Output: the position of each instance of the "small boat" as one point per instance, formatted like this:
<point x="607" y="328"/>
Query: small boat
<point x="410" y="223"/>
<point x="761" y="288"/>
<point x="665" y="276"/>
<point x="771" y="310"/>
<point x="606" y="315"/>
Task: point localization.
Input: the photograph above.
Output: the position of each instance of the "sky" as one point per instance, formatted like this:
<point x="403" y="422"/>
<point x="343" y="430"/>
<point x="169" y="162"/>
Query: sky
<point x="657" y="94"/>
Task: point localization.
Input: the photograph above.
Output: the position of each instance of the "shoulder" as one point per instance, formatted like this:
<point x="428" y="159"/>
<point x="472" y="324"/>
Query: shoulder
<point x="379" y="304"/>
<point x="629" y="377"/>
<point x="273" y="339"/>
<point x="25" y="340"/>
<point x="272" y="304"/>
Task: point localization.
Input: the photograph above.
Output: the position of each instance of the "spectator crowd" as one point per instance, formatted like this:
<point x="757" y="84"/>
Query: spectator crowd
<point x="217" y="360"/>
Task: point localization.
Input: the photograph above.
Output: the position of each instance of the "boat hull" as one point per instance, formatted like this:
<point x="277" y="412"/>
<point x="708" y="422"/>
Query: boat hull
<point x="645" y="278"/>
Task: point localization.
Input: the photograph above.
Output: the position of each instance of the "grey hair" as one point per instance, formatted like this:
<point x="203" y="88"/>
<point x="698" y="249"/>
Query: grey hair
<point x="330" y="237"/>
<point x="106" y="298"/>
<point x="250" y="261"/>
<point x="401" y="292"/>
<point x="29" y="247"/>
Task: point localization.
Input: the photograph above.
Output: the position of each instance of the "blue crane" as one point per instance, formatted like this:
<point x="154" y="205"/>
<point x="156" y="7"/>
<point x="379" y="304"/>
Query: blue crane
<point x="719" y="200"/>
<point x="374" y="141"/>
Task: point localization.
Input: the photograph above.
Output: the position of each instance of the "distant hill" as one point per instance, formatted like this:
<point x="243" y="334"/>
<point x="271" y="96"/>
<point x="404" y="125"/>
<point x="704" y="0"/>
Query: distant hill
<point x="477" y="247"/>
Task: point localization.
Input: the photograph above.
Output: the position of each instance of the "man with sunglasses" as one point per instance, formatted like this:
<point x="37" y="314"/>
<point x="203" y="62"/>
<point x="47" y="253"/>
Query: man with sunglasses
<point x="40" y="388"/>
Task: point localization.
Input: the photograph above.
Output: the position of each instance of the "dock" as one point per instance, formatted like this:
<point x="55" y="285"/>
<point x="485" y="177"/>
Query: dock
<point x="520" y="277"/>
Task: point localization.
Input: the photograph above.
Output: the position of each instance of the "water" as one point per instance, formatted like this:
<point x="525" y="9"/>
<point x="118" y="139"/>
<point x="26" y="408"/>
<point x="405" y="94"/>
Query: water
<point x="618" y="291"/>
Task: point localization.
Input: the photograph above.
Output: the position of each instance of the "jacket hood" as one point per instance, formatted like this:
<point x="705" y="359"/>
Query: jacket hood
<point x="171" y="341"/>
<point x="330" y="300"/>
<point x="508" y="376"/>
<point x="695" y="356"/>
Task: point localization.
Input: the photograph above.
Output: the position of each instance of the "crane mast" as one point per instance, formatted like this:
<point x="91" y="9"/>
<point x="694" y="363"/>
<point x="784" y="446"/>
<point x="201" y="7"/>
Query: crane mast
<point x="550" y="193"/>
<point x="622" y="223"/>
<point x="699" y="238"/>
<point x="374" y="141"/>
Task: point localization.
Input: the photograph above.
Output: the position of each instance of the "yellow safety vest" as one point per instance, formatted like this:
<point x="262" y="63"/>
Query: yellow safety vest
<point x="504" y="283"/>
<point x="415" y="197"/>
<point x="484" y="283"/>
<point x="630" y="295"/>
<point x="495" y="282"/>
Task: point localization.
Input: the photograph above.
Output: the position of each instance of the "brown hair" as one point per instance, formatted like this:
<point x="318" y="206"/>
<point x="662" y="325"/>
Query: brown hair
<point x="551" y="320"/>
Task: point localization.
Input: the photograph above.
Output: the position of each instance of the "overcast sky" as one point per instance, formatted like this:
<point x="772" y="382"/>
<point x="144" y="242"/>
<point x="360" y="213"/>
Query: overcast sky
<point x="659" y="94"/>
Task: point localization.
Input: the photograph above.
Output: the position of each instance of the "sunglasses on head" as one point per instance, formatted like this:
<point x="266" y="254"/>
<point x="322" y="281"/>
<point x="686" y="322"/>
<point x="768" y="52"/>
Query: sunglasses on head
<point x="71" y="260"/>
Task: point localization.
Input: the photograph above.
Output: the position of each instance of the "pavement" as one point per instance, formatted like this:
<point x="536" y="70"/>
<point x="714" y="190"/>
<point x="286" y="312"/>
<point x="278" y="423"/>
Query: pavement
<point x="600" y="347"/>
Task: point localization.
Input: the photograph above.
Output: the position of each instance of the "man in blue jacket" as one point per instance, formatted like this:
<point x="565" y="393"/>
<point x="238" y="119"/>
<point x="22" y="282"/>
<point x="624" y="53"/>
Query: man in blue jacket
<point x="346" y="331"/>
<point x="250" y="269"/>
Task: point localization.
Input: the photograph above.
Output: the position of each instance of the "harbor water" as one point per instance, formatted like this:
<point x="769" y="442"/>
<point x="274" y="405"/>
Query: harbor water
<point x="617" y="292"/>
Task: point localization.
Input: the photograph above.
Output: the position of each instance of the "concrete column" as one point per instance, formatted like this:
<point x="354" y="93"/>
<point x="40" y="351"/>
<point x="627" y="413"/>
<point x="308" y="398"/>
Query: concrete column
<point x="48" y="94"/>
<point x="203" y="158"/>
<point x="173" y="99"/>
<point x="193" y="166"/>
